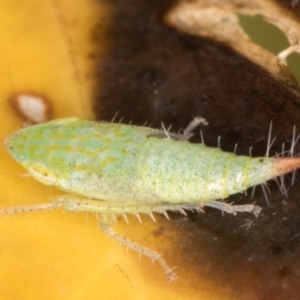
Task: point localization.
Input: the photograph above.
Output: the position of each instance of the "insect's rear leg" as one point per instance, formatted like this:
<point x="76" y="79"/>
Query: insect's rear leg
<point x="78" y="204"/>
<point x="233" y="209"/>
<point x="171" y="275"/>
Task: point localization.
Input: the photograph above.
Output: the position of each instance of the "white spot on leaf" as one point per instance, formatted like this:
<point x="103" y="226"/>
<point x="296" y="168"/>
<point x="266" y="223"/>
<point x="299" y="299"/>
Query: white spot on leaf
<point x="32" y="107"/>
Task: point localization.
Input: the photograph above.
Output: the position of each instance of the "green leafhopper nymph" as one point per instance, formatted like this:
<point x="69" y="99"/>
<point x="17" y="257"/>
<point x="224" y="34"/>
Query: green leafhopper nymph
<point x="113" y="168"/>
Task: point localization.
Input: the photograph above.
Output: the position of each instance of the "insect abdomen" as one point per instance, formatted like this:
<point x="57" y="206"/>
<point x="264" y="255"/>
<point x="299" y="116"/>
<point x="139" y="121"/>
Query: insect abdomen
<point x="178" y="171"/>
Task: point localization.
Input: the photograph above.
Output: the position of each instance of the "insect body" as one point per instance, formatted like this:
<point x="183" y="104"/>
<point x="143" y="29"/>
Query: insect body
<point x="118" y="168"/>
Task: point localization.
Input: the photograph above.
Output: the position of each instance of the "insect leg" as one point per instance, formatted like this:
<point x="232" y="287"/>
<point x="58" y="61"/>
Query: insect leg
<point x="81" y="204"/>
<point x="29" y="208"/>
<point x="78" y="204"/>
<point x="233" y="209"/>
<point x="187" y="133"/>
<point x="135" y="208"/>
<point x="140" y="249"/>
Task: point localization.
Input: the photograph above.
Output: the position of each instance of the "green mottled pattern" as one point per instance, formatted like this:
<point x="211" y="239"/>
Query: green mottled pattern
<point x="130" y="163"/>
<point x="186" y="172"/>
<point x="93" y="159"/>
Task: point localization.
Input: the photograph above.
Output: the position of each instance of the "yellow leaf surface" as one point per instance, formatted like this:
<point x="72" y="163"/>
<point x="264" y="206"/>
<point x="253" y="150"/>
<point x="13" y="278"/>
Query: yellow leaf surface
<point x="46" y="49"/>
<point x="57" y="255"/>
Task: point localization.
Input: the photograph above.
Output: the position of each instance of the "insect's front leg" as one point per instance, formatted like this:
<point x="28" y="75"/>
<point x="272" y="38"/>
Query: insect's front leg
<point x="30" y="208"/>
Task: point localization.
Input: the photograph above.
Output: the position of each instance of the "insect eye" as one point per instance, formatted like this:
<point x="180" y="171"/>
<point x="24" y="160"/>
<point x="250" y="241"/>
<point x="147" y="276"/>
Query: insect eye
<point x="42" y="174"/>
